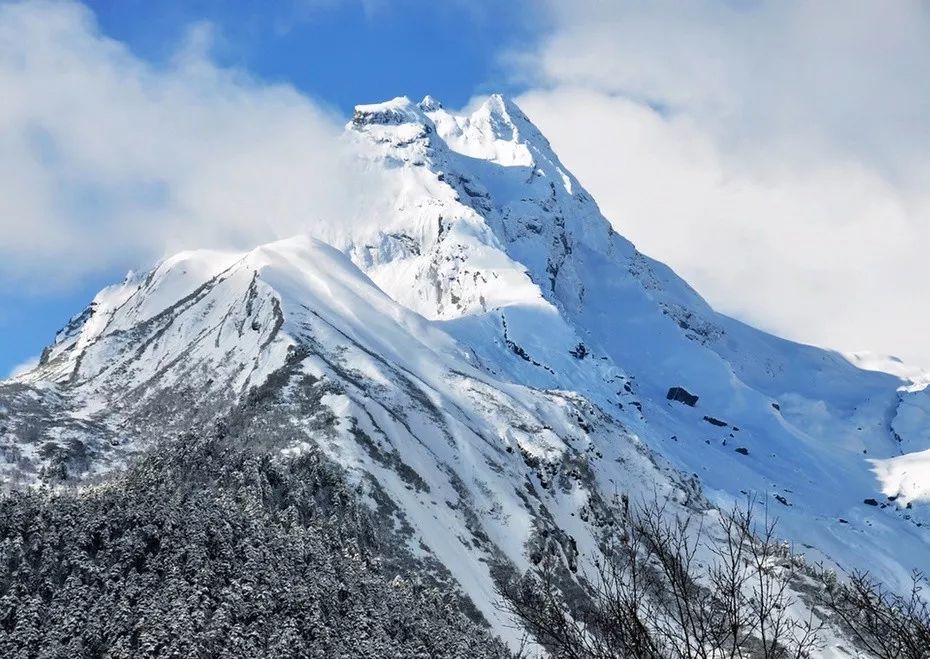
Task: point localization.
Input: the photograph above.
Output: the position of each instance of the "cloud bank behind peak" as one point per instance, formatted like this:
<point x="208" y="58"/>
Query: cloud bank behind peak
<point x="776" y="154"/>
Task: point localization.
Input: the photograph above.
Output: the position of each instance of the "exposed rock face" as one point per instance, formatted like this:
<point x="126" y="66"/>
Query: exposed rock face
<point x="682" y="395"/>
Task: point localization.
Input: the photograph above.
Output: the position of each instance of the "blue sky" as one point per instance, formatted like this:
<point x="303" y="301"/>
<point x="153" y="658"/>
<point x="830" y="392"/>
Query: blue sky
<point x="775" y="153"/>
<point x="344" y="53"/>
<point x="339" y="53"/>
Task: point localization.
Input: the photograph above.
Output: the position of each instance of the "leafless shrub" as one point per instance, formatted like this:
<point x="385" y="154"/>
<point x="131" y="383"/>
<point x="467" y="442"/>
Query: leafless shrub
<point x="882" y="623"/>
<point x="665" y="589"/>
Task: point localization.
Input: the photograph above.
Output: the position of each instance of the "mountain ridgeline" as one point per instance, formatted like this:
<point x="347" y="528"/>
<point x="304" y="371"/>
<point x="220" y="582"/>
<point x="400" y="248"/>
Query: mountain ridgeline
<point x="358" y="446"/>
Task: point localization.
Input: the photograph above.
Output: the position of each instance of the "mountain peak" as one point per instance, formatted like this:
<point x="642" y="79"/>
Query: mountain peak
<point x="493" y="360"/>
<point x="430" y="104"/>
<point x="398" y="110"/>
<point x="500" y="105"/>
<point x="496" y="120"/>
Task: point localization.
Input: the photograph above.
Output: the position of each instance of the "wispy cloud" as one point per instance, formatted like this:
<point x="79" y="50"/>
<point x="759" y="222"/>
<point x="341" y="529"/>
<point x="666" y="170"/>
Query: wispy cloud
<point x="23" y="367"/>
<point x="106" y="160"/>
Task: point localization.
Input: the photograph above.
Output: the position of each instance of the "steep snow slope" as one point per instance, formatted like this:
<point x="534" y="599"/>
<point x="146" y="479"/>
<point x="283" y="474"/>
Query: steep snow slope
<point x="475" y="469"/>
<point x="507" y="249"/>
<point x="493" y="361"/>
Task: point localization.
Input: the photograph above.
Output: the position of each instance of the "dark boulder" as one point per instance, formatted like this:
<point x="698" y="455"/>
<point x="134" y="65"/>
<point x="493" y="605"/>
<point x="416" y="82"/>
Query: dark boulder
<point x="682" y="395"/>
<point x="580" y="351"/>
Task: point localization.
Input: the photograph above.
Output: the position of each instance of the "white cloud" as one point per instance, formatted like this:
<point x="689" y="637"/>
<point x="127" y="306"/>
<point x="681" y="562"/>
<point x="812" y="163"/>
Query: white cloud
<point x="776" y="154"/>
<point x="108" y="161"/>
<point x="23" y="367"/>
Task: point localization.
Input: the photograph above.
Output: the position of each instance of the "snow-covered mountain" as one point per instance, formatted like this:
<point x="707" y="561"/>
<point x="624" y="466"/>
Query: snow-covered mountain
<point x="494" y="362"/>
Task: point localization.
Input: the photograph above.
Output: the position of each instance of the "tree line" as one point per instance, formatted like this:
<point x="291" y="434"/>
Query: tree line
<point x="206" y="548"/>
